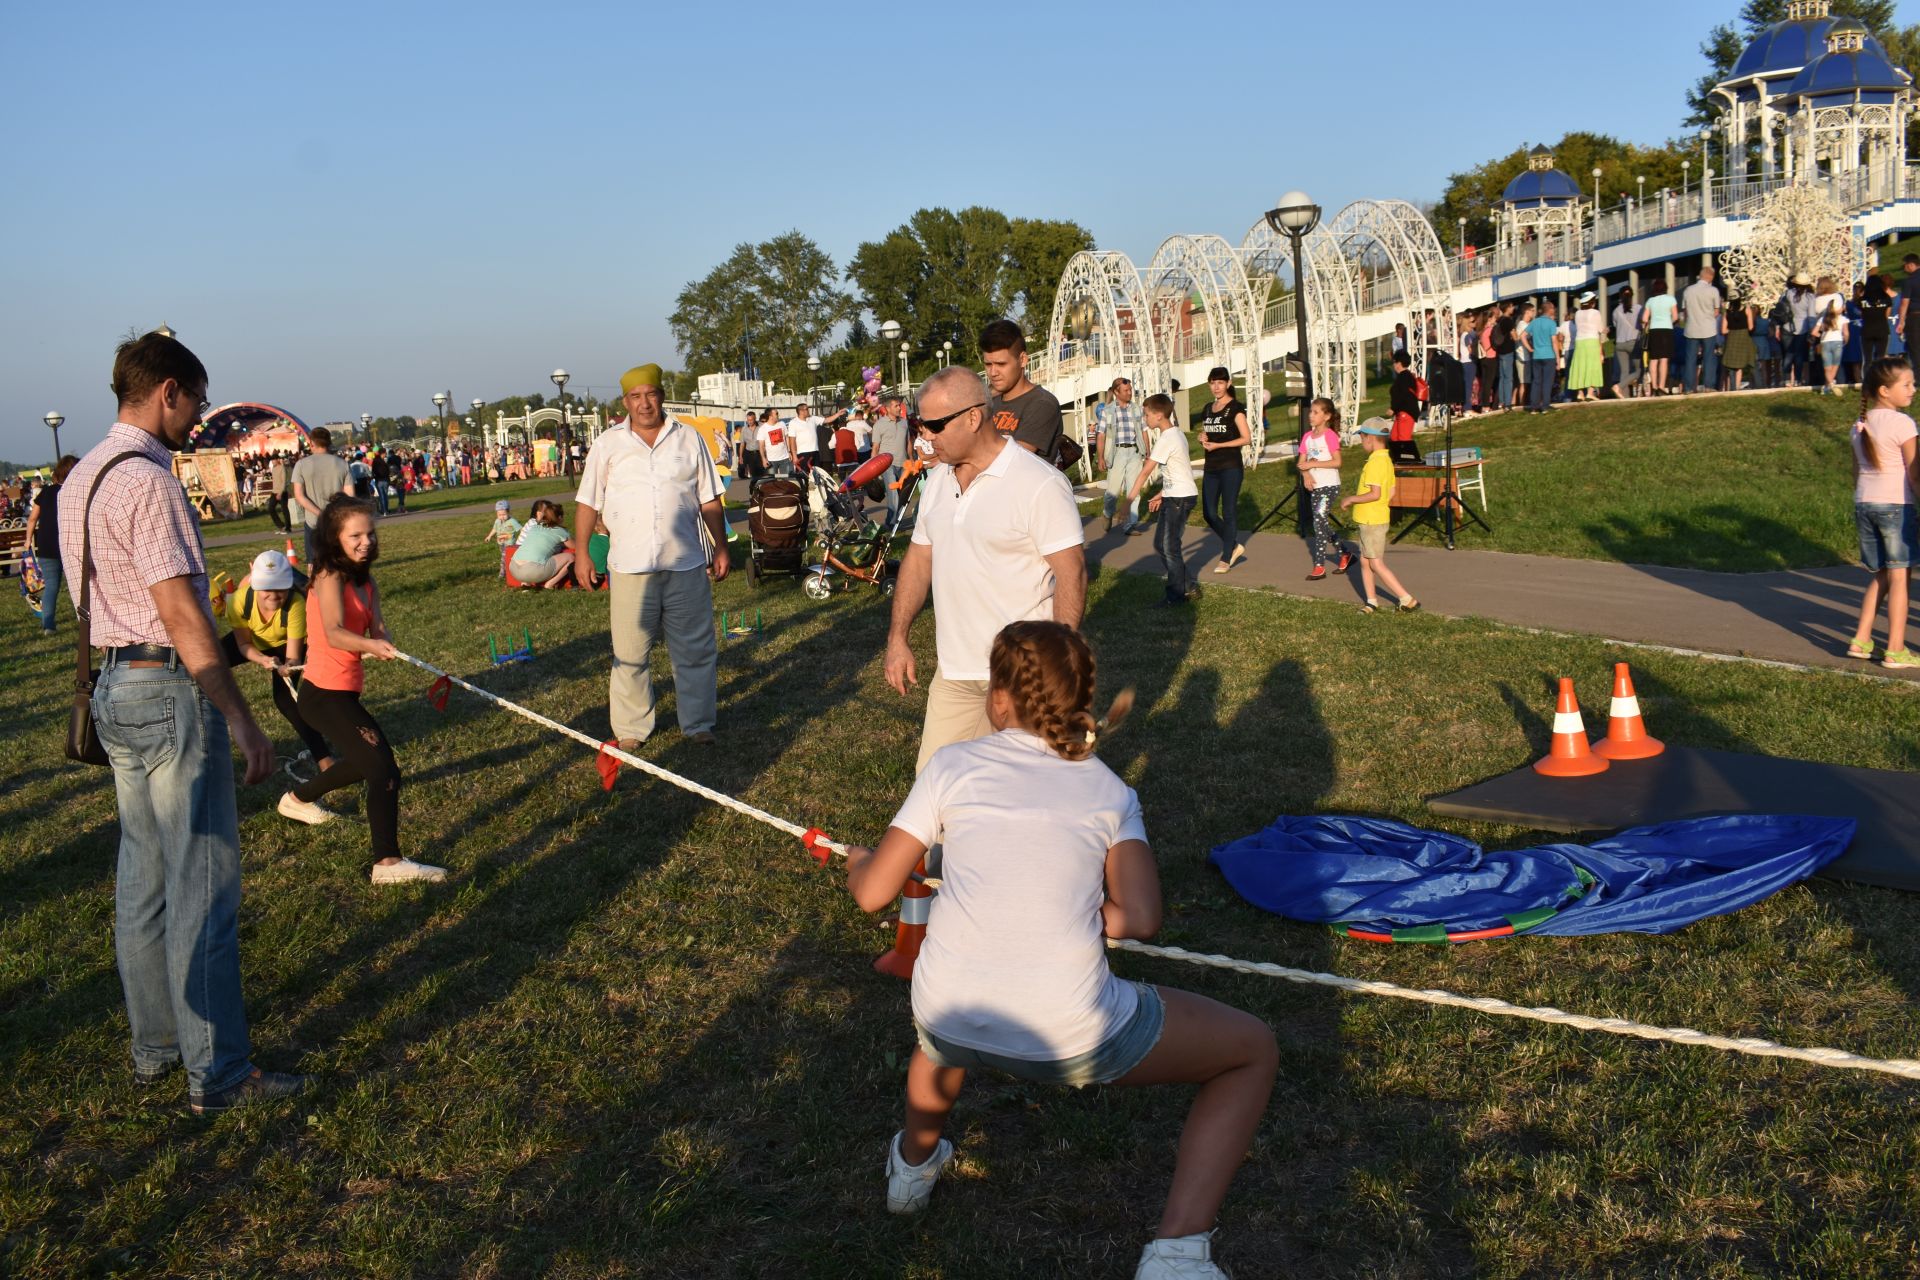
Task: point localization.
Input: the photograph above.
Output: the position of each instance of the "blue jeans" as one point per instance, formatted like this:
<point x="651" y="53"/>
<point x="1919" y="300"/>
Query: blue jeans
<point x="1506" y="380"/>
<point x="1167" y="536"/>
<point x="380" y="497"/>
<point x="50" y="593"/>
<point x="1220" y="504"/>
<point x="1699" y="362"/>
<point x="177" y="888"/>
<point x="890" y="477"/>
<point x="1540" y="386"/>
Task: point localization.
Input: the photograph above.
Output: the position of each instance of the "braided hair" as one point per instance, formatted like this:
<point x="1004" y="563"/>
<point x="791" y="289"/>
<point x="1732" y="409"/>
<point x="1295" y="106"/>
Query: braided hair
<point x="1047" y="670"/>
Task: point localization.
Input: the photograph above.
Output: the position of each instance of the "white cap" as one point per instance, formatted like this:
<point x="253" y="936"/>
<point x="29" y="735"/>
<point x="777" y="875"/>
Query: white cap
<point x="272" y="572"/>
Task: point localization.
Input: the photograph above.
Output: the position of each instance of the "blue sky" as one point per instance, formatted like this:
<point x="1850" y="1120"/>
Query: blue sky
<point x="344" y="208"/>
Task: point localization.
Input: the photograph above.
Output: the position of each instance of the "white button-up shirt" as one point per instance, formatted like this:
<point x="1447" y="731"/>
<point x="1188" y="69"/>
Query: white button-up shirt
<point x="990" y="547"/>
<point x="650" y="497"/>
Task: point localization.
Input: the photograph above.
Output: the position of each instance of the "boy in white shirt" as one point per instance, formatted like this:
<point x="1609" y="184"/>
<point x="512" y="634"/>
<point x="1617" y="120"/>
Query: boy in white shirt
<point x="1172" y="463"/>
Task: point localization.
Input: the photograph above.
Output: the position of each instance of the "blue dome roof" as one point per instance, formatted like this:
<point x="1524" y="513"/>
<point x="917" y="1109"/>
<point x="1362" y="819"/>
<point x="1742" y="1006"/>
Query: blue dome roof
<point x="1537" y="187"/>
<point x="1844" y="71"/>
<point x="1784" y="46"/>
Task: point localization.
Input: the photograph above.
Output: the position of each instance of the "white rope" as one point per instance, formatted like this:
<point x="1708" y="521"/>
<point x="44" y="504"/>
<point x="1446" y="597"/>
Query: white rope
<point x="1905" y="1067"/>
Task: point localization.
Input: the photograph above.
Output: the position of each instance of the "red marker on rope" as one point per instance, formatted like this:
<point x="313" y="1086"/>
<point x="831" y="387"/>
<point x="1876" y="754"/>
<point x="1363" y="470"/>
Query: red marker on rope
<point x="437" y="693"/>
<point x="608" y="766"/>
<point x="815" y="842"/>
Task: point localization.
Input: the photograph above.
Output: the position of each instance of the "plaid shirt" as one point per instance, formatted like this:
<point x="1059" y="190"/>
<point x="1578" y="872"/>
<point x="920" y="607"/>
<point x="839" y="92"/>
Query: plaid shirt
<point x="147" y="534"/>
<point x="1122" y="424"/>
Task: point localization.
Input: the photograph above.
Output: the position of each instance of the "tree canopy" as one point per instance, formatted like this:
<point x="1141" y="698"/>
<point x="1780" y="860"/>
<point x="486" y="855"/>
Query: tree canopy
<point x="770" y="304"/>
<point x="1475" y="194"/>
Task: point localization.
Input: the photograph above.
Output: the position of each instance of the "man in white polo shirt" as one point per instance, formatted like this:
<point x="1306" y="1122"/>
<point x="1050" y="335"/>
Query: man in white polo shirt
<point x="654" y="482"/>
<point x="997" y="540"/>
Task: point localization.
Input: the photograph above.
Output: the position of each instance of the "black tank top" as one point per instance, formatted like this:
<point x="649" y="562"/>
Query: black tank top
<point x="1217" y="425"/>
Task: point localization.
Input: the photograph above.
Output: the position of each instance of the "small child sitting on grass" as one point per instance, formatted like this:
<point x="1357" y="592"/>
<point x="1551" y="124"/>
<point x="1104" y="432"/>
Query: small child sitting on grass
<point x="505" y="531"/>
<point x="543" y="557"/>
<point x="1372" y="510"/>
<point x="1013" y="974"/>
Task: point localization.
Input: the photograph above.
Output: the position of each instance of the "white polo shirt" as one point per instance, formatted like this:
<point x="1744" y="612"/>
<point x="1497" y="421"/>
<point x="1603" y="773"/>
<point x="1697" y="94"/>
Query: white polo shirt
<point x="803" y="434"/>
<point x="650" y="497"/>
<point x="989" y="549"/>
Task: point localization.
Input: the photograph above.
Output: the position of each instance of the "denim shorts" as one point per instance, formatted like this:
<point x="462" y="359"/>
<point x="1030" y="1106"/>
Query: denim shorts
<point x="1106" y="1062"/>
<point x="1887" y="534"/>
<point x="1830" y="353"/>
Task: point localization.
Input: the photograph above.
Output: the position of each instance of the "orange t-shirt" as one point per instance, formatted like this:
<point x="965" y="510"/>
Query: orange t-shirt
<point x="332" y="668"/>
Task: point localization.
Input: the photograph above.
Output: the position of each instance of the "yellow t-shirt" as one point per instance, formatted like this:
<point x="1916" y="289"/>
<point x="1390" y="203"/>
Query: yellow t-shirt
<point x="288" y="624"/>
<point x="1378" y="471"/>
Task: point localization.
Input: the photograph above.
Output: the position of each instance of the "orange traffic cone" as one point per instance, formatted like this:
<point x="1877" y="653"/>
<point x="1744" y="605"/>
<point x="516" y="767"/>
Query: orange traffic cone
<point x="1570" y="757"/>
<point x="1626" y="733"/>
<point x="293" y="557"/>
<point x="916" y="904"/>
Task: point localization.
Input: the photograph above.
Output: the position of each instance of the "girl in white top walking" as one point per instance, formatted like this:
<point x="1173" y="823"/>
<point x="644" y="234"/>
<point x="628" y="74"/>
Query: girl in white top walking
<point x="1046" y="857"/>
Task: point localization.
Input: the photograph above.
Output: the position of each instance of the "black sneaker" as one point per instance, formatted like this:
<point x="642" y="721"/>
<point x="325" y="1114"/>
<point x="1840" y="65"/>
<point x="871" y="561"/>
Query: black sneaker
<point x="261" y="1086"/>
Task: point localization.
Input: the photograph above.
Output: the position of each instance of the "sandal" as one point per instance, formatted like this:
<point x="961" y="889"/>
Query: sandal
<point x="1408" y="606"/>
<point x="1862" y="651"/>
<point x="1371" y="606"/>
<point x="1899" y="659"/>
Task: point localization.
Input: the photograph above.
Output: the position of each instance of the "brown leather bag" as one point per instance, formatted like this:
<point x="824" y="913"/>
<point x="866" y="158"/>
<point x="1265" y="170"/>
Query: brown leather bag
<point x="83" y="744"/>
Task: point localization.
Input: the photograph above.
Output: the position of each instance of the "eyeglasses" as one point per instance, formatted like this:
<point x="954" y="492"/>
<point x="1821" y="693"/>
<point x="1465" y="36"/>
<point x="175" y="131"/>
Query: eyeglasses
<point x="934" y="426"/>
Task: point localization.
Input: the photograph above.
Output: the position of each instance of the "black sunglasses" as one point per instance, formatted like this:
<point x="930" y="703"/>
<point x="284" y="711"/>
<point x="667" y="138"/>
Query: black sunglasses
<point x="934" y="426"/>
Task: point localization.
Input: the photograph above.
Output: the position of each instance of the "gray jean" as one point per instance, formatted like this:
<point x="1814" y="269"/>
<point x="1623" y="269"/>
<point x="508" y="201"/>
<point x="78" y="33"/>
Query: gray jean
<point x="677" y="607"/>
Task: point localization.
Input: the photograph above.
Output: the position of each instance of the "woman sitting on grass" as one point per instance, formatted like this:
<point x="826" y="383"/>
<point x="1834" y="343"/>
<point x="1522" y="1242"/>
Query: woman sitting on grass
<point x="1884" y="480"/>
<point x="1045" y="857"/>
<point x="346" y="626"/>
<point x="544" y="556"/>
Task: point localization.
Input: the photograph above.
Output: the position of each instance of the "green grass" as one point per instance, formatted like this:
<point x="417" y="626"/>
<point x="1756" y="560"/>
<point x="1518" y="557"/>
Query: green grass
<point x="638" y="1035"/>
<point x="1737" y="484"/>
<point x="518" y="492"/>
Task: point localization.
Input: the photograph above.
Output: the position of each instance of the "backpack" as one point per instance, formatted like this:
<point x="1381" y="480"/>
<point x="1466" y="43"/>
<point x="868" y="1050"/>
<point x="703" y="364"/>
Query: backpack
<point x="1782" y="314"/>
<point x="1419" y="388"/>
<point x="777" y="514"/>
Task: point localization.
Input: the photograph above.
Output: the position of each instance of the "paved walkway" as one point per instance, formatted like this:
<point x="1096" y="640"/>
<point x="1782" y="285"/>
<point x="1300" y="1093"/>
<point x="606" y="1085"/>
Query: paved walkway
<point x="1804" y="617"/>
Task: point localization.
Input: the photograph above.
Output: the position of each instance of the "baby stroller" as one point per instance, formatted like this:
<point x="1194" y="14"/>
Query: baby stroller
<point x="853" y="545"/>
<point x="777" y="527"/>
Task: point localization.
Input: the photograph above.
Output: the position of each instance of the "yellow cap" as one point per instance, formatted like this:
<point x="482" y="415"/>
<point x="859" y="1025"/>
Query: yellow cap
<point x="644" y="375"/>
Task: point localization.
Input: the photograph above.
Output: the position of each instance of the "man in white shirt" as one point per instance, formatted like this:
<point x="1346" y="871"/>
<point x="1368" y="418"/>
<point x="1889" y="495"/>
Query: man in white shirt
<point x="1701" y="306"/>
<point x="654" y="484"/>
<point x="803" y="437"/>
<point x="997" y="540"/>
<point x="775" y="449"/>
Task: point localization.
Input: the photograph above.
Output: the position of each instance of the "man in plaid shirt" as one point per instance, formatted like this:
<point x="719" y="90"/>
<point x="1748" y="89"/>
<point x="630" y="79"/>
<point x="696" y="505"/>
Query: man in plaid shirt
<point x="162" y="708"/>
<point x="1123" y="451"/>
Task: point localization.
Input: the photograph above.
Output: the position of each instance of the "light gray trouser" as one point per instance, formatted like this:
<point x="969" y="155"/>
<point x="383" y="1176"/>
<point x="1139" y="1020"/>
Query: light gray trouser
<point x="1121" y="473"/>
<point x="645" y="608"/>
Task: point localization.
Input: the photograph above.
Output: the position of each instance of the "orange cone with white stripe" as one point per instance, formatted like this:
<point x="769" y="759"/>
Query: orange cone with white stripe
<point x="1626" y="733"/>
<point x="293" y="557"/>
<point x="1570" y="757"/>
<point x="916" y="904"/>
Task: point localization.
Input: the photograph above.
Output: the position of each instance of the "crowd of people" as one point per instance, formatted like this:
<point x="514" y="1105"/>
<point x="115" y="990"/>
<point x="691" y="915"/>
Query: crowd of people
<point x="1820" y="333"/>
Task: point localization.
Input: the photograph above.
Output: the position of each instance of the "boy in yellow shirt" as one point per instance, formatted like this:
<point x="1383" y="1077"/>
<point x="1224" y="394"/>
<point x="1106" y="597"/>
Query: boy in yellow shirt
<point x="1371" y="512"/>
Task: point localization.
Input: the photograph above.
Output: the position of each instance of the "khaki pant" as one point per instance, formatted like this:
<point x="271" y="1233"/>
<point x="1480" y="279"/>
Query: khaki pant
<point x="956" y="712"/>
<point x="676" y="606"/>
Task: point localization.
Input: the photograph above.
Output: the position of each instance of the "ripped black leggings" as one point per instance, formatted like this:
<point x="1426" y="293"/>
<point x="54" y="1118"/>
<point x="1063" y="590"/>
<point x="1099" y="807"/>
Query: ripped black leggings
<point x="361" y="753"/>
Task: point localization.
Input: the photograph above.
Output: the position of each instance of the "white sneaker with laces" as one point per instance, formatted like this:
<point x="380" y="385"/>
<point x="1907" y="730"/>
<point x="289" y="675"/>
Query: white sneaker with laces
<point x="1180" y="1258"/>
<point x="909" y="1187"/>
<point x="406" y="871"/>
<point x="292" y="806"/>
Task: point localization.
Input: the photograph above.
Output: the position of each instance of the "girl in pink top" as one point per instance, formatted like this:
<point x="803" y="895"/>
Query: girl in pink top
<point x="1319" y="463"/>
<point x="1884" y="480"/>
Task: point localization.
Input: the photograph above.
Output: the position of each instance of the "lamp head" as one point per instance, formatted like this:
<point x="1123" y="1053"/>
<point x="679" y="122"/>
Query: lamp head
<point x="1295" y="214"/>
<point x="54" y="420"/>
<point x="441" y="398"/>
<point x="890" y="329"/>
<point x="559" y="378"/>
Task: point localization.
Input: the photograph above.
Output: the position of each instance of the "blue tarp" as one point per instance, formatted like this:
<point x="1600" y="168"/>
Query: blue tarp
<point x="1379" y="876"/>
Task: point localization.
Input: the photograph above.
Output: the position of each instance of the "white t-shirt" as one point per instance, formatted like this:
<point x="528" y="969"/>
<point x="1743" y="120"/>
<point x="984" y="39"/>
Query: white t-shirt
<point x="862" y="433"/>
<point x="1835" y="325"/>
<point x="1589" y="323"/>
<point x="650" y="497"/>
<point x="803" y="434"/>
<point x="1319" y="444"/>
<point x="1015" y="960"/>
<point x="989" y="552"/>
<point x="773" y="441"/>
<point x="1176" y="465"/>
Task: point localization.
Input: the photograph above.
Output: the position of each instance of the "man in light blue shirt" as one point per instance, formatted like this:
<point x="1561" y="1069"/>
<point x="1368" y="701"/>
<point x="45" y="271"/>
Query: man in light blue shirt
<point x="1121" y="448"/>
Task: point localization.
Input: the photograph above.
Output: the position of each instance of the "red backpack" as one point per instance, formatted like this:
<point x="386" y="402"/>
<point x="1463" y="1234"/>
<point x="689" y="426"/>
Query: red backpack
<point x="1419" y="388"/>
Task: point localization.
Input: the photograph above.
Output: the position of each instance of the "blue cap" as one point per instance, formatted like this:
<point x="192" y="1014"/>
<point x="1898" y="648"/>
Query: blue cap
<point x="1376" y="427"/>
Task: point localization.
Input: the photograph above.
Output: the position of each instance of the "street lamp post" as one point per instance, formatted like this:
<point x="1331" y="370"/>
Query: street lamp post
<point x="1686" y="176"/>
<point x="53" y="421"/>
<point x="1706" y="135"/>
<point x="366" y="426"/>
<point x="560" y="377"/>
<point x="1640" y="196"/>
<point x="1294" y="216"/>
<point x="906" y="383"/>
<point x="889" y="330"/>
<point x="480" y="428"/>
<point x="441" y="399"/>
<point x="946" y="353"/>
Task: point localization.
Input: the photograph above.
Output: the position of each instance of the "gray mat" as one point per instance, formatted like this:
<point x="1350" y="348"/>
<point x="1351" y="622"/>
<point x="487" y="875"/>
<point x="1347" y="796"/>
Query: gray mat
<point x="1685" y="782"/>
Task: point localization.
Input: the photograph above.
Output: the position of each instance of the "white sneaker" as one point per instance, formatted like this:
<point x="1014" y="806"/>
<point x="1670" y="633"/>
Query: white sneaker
<point x="909" y="1187"/>
<point x="292" y="806"/>
<point x="406" y="871"/>
<point x="1180" y="1258"/>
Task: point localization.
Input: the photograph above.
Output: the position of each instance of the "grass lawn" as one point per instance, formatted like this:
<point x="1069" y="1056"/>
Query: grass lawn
<point x="635" y="1035"/>
<point x="519" y="492"/>
<point x="1734" y="483"/>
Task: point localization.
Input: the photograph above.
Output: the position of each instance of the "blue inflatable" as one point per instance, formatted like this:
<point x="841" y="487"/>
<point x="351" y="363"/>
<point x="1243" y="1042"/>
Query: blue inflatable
<point x="1389" y="882"/>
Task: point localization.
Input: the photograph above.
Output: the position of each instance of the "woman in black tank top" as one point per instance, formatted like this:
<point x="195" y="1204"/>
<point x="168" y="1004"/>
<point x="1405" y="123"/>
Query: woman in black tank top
<point x="1222" y="428"/>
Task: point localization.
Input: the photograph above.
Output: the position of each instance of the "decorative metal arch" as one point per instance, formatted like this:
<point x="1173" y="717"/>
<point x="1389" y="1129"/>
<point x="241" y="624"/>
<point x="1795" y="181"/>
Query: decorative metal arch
<point x="1419" y="268"/>
<point x="1204" y="313"/>
<point x="1101" y="326"/>
<point x="1333" y="350"/>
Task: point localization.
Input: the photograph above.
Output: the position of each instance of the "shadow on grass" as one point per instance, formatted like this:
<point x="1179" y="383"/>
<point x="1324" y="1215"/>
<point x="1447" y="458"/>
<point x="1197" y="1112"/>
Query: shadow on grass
<point x="1719" y="537"/>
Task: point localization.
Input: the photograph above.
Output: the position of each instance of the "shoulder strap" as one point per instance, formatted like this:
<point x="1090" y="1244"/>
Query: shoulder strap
<point x="83" y="671"/>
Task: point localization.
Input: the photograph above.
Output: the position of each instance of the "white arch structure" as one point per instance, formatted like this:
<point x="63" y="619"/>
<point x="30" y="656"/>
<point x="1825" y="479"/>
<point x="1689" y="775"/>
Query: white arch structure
<point x="1330" y="282"/>
<point x="1418" y="268"/>
<point x="1100" y="321"/>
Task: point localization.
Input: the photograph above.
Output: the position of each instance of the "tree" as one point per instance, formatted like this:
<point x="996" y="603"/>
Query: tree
<point x="1040" y="252"/>
<point x="780" y="291"/>
<point x="1725" y="43"/>
<point x="1475" y="194"/>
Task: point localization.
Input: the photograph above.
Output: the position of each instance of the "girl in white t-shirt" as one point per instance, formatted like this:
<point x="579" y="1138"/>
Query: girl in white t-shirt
<point x="1170" y="463"/>
<point x="1045" y="857"/>
<point x="1830" y="331"/>
<point x="1319" y="463"/>
<point x="1883" y="506"/>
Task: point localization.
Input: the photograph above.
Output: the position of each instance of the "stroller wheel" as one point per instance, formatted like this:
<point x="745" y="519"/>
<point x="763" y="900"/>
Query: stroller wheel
<point x="753" y="571"/>
<point x="816" y="586"/>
